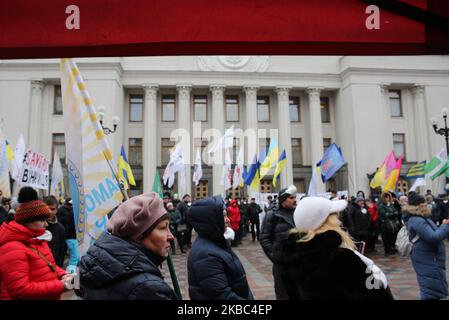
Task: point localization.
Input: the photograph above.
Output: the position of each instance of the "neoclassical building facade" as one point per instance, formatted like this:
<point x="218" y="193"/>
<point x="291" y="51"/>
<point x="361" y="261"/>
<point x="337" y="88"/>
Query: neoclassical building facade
<point x="367" y="105"/>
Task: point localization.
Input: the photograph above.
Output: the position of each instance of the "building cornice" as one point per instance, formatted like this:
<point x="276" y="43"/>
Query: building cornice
<point x="393" y="72"/>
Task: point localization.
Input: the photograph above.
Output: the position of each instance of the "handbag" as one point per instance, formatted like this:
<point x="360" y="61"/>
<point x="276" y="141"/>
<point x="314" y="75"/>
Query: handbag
<point x="403" y="245"/>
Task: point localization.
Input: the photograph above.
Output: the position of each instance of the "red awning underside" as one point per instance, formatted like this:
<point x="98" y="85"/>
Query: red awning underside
<point x="37" y="29"/>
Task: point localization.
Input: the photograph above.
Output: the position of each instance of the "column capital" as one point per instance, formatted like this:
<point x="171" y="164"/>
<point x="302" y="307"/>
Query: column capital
<point x="184" y="91"/>
<point x="150" y="90"/>
<point x="384" y="88"/>
<point x="217" y="90"/>
<point x="283" y="92"/>
<point x="418" y="90"/>
<point x="251" y="91"/>
<point x="37" y="86"/>
<point x="314" y="92"/>
<point x="217" y="87"/>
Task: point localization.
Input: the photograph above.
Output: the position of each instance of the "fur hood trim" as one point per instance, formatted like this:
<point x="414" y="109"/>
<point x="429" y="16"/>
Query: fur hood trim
<point x="420" y="210"/>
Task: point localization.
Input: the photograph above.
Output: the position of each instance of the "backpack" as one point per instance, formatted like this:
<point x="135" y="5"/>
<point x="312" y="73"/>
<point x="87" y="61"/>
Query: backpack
<point x="403" y="244"/>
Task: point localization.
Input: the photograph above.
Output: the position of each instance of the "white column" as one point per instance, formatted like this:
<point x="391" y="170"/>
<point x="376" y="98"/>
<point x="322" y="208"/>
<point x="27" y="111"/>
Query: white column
<point x="421" y="130"/>
<point x="252" y="143"/>
<point x="150" y="137"/>
<point x="184" y="123"/>
<point x="218" y="122"/>
<point x="316" y="133"/>
<point x="35" y="120"/>
<point x="285" y="136"/>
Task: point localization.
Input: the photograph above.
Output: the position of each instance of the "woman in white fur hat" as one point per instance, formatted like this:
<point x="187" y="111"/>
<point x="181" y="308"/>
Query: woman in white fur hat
<point x="319" y="260"/>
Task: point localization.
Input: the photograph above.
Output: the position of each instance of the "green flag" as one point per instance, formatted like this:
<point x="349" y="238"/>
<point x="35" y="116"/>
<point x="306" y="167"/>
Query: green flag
<point x="442" y="170"/>
<point x="157" y="185"/>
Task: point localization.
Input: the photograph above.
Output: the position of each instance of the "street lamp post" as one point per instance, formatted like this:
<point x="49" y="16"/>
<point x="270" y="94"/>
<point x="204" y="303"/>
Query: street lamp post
<point x="115" y="121"/>
<point x="444" y="131"/>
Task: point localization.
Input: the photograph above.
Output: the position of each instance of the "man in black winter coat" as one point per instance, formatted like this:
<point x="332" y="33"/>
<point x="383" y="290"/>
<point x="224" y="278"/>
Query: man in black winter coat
<point x="57" y="244"/>
<point x="254" y="210"/>
<point x="276" y="227"/>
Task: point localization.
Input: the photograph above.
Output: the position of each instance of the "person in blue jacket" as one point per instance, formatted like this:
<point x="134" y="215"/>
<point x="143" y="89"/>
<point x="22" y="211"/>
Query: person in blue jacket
<point x="214" y="270"/>
<point x="428" y="252"/>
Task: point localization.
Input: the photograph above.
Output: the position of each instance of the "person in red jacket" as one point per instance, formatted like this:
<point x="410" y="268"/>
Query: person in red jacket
<point x="27" y="268"/>
<point x="374" y="227"/>
<point x="234" y="218"/>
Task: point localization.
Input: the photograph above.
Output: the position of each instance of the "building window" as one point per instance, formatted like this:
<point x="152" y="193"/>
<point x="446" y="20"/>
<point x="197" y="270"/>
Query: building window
<point x="57" y="109"/>
<point x="234" y="193"/>
<point x="326" y="143"/>
<point x="263" y="109"/>
<point x="168" y="108"/>
<point x="135" y="151"/>
<point x="232" y="108"/>
<point x="395" y="103"/>
<point x="297" y="151"/>
<point x="200" y="108"/>
<point x="402" y="186"/>
<point x="135" y="190"/>
<point x="136" y="108"/>
<point x="266" y="186"/>
<point x="166" y="147"/>
<point x="325" y="113"/>
<point x="201" y="190"/>
<point x="58" y="145"/>
<point x="399" y="144"/>
<point x="295" y="115"/>
<point x="300" y="185"/>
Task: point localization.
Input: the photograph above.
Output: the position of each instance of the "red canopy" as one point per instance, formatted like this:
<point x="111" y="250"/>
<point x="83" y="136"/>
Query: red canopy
<point x="37" y="29"/>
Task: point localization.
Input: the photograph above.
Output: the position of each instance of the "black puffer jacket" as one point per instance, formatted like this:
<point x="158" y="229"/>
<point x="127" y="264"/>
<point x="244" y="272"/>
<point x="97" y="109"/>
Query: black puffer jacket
<point x="117" y="269"/>
<point x="214" y="270"/>
<point x="67" y="219"/>
<point x="254" y="210"/>
<point x="276" y="227"/>
<point x="359" y="221"/>
<point x="321" y="269"/>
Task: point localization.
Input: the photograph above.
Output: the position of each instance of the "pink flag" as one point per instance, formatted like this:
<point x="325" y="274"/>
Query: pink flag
<point x="390" y="163"/>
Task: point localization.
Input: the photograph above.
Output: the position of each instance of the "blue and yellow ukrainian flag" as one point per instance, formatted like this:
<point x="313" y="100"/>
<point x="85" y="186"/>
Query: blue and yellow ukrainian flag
<point x="124" y="170"/>
<point x="281" y="163"/>
<point x="270" y="160"/>
<point x="251" y="177"/>
<point x="417" y="171"/>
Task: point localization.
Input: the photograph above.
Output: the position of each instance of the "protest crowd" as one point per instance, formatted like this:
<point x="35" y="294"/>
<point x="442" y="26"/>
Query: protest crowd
<point x="314" y="244"/>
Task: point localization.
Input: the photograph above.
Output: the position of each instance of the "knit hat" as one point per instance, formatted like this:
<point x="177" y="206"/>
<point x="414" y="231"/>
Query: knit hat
<point x="32" y="211"/>
<point x="311" y="212"/>
<point x="286" y="192"/>
<point x="27" y="194"/>
<point x="415" y="199"/>
<point x="136" y="216"/>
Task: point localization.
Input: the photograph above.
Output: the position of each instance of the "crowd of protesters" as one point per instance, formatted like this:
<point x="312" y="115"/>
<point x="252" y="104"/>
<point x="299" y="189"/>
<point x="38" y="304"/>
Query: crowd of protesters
<point x="311" y="242"/>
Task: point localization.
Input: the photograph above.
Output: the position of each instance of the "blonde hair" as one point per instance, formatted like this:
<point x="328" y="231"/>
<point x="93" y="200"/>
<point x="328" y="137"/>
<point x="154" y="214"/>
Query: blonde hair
<point x="332" y="223"/>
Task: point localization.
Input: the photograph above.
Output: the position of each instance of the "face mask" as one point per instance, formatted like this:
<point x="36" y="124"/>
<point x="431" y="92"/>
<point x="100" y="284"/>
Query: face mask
<point x="229" y="234"/>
